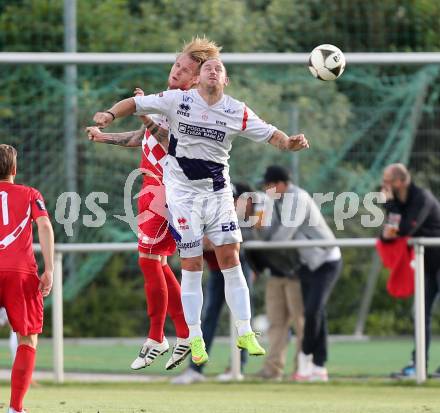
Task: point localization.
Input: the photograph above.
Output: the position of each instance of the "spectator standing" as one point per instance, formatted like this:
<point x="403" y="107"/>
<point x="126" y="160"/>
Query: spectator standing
<point x="412" y="211"/>
<point x="297" y="217"/>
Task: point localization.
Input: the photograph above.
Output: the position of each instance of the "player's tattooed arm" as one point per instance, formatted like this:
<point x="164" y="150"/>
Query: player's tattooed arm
<point x="130" y="139"/>
<point x="288" y="143"/>
<point x="158" y="132"/>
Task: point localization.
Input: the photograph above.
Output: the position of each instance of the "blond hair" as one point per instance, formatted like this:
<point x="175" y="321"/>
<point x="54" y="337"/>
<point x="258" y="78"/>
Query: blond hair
<point x="201" y="49"/>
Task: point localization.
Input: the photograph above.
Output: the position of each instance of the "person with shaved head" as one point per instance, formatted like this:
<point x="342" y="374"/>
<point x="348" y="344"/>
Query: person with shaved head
<point x="413" y="211"/>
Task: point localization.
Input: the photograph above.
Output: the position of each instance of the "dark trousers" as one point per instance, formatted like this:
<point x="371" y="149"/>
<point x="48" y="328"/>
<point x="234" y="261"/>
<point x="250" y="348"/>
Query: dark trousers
<point x="432" y="289"/>
<point x="316" y="288"/>
<point x="214" y="300"/>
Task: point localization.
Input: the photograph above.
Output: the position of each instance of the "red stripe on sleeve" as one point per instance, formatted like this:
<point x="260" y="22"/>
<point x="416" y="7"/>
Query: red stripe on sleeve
<point x="245" y="118"/>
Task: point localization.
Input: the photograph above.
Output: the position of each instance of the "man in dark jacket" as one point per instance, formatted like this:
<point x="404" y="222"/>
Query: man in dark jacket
<point x="415" y="212"/>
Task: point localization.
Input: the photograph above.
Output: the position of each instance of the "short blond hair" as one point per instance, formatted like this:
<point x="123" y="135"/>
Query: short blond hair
<point x="201" y="49"/>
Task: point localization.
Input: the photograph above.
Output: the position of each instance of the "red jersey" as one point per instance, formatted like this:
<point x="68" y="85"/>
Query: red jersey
<point x="153" y="153"/>
<point x="19" y="206"/>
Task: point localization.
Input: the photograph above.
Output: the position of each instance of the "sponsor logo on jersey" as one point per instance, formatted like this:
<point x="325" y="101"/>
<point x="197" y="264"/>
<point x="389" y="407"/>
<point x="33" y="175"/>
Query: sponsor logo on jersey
<point x="187" y="245"/>
<point x="40" y="204"/>
<point x="184" y="108"/>
<point x="230" y="226"/>
<point x="230" y="111"/>
<point x="187" y="99"/>
<point x="193" y="130"/>
<point x="219" y="122"/>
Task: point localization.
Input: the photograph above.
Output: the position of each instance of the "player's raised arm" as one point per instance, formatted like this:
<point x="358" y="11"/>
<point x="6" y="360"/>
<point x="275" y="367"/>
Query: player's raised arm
<point x="288" y="143"/>
<point x="46" y="237"/>
<point x="131" y="139"/>
<point x="121" y="109"/>
<point x="139" y="105"/>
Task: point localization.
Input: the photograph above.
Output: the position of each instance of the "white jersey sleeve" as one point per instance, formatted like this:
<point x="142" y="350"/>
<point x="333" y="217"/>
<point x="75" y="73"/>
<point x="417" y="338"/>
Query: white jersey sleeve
<point x="161" y="103"/>
<point x="256" y="129"/>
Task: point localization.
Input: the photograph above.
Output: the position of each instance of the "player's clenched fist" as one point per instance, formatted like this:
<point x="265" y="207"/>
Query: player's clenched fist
<point x="95" y="134"/>
<point x="103" y="119"/>
<point x="138" y="92"/>
<point x="297" y="142"/>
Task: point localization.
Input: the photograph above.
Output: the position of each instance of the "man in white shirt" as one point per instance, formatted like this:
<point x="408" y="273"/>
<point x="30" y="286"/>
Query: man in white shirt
<point x="202" y="125"/>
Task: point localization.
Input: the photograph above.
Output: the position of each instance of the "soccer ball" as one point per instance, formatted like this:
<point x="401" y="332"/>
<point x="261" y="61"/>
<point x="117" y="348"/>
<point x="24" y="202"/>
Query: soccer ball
<point x="326" y="62"/>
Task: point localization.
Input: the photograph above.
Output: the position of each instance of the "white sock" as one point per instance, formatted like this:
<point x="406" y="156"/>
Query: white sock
<point x="13" y="344"/>
<point x="237" y="298"/>
<point x="243" y="327"/>
<point x="195" y="331"/>
<point x="192" y="300"/>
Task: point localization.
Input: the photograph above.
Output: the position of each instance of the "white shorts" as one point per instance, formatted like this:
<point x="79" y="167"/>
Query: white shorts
<point x="193" y="216"/>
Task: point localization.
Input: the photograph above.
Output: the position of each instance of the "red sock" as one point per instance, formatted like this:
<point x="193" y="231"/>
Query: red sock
<point x="21" y="375"/>
<point x="156" y="294"/>
<point x="175" y="309"/>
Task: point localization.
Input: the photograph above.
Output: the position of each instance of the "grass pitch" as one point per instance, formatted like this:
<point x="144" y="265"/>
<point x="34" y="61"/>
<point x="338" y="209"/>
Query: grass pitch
<point x="233" y="398"/>
<point x="348" y="359"/>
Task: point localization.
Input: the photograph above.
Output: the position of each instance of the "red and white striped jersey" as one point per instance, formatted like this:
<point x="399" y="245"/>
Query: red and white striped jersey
<point x="153" y="153"/>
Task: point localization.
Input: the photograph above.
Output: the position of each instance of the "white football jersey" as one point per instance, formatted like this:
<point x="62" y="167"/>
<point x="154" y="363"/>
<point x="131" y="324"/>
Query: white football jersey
<point x="201" y="137"/>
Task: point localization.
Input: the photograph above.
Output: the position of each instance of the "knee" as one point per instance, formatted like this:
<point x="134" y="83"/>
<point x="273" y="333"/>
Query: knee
<point x="228" y="255"/>
<point x="30" y="340"/>
<point x="192" y="264"/>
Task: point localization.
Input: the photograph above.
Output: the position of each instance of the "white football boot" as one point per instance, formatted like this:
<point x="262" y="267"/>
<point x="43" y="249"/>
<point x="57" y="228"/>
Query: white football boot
<point x="150" y="350"/>
<point x="180" y="351"/>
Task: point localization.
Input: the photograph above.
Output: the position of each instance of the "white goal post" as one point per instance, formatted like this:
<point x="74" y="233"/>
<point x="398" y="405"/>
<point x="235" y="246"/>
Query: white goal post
<point x="418" y="58"/>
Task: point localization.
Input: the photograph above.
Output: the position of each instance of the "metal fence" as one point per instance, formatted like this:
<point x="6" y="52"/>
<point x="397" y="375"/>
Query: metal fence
<point x="419" y="330"/>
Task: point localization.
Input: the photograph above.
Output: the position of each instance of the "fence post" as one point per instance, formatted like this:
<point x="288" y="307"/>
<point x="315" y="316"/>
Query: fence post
<point x="57" y="319"/>
<point x="419" y="302"/>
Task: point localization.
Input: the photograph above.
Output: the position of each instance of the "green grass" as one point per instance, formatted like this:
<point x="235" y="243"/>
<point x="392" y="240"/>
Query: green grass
<point x="347" y="359"/>
<point x="359" y="372"/>
<point x="232" y="398"/>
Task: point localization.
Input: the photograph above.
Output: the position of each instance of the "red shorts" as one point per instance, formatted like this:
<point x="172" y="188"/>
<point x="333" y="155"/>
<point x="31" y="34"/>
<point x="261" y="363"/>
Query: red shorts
<point x="153" y="234"/>
<point x="23" y="301"/>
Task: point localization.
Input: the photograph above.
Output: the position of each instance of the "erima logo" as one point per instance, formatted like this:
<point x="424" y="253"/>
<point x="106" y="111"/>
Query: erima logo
<point x="184" y="108"/>
<point x="182" y="223"/>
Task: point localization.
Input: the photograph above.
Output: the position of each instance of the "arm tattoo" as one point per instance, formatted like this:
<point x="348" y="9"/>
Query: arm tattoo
<point x="159" y="133"/>
<point x="130" y="139"/>
<point x="279" y="140"/>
